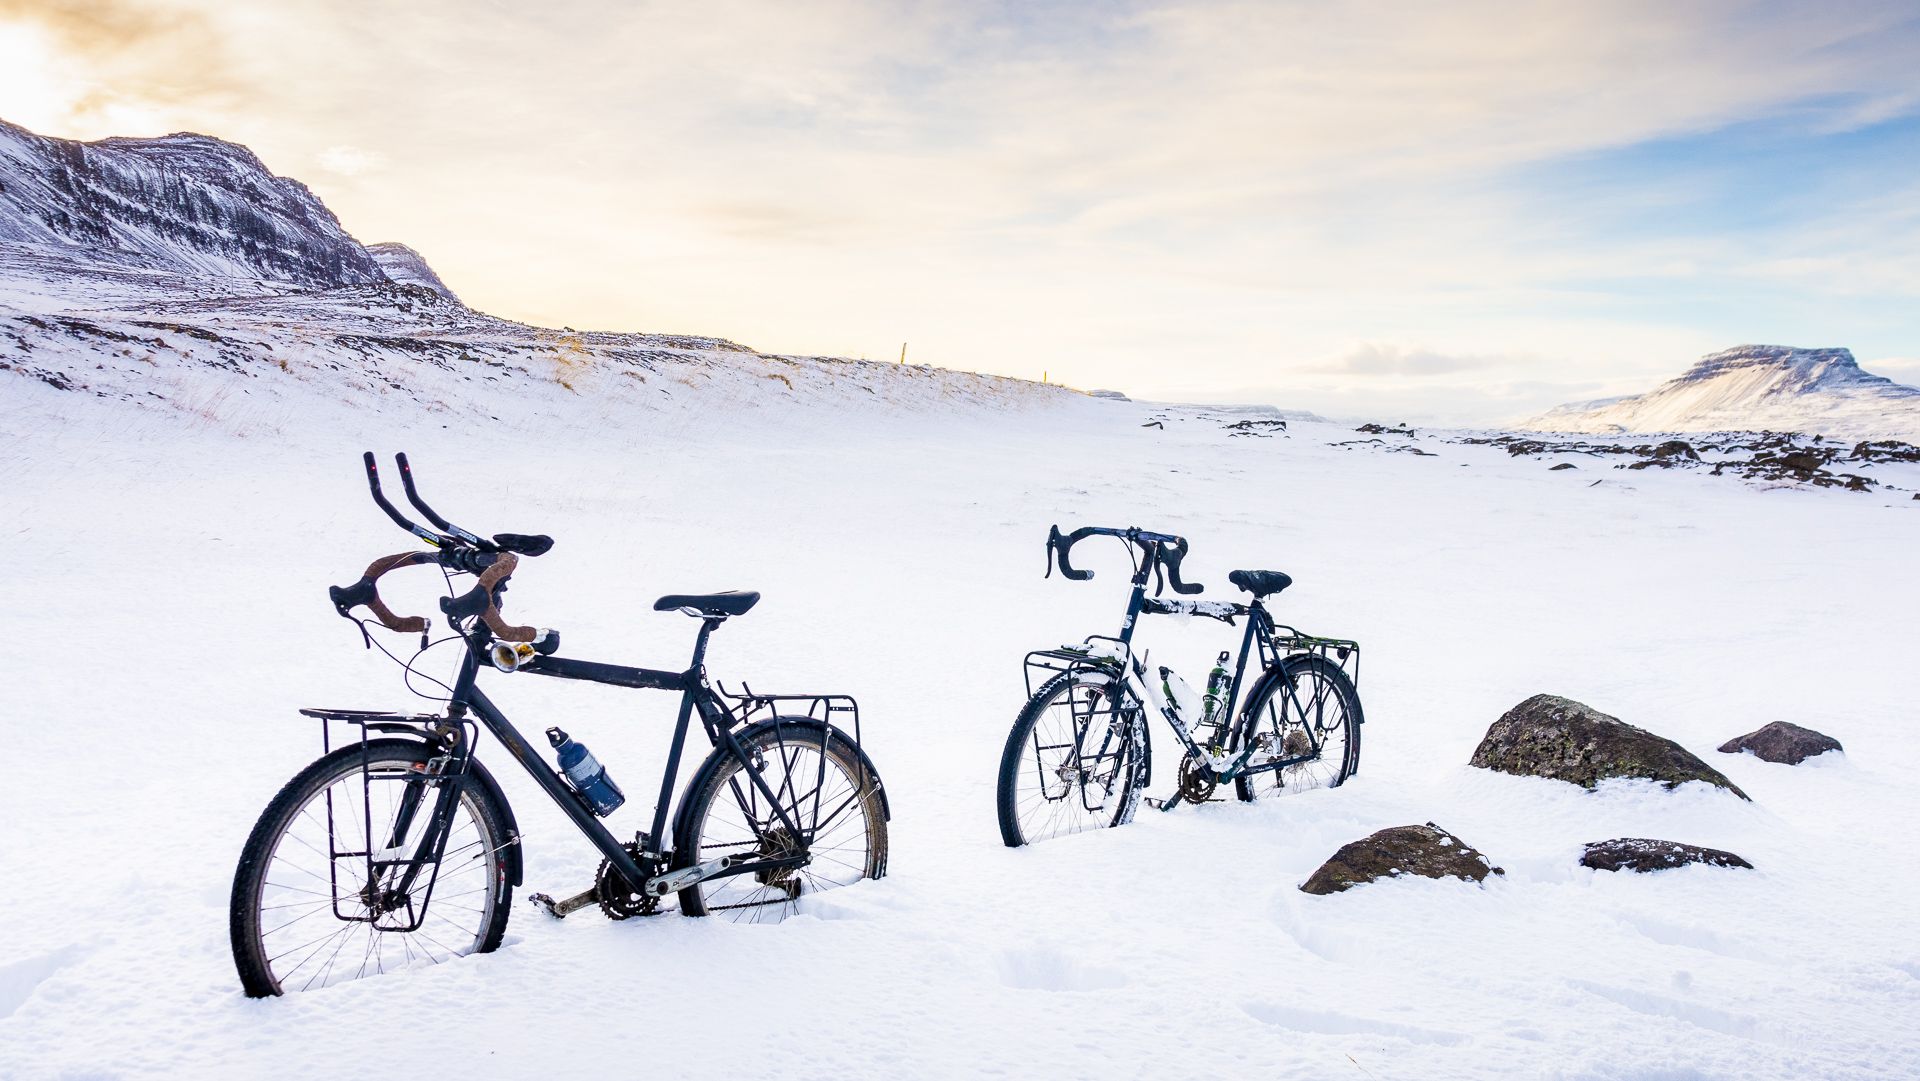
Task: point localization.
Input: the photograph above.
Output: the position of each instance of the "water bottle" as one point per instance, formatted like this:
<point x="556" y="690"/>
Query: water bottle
<point x="1217" y="685"/>
<point x="585" y="773"/>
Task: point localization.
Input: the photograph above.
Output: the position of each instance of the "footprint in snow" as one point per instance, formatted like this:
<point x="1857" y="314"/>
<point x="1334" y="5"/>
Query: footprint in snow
<point x="1043" y="968"/>
<point x="1324" y="1023"/>
<point x="19" y="979"/>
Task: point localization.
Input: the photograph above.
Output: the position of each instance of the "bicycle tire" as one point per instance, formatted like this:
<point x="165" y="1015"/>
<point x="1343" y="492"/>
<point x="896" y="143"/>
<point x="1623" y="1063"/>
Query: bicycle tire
<point x="726" y="814"/>
<point x="1113" y="808"/>
<point x="1331" y="687"/>
<point x="479" y="867"/>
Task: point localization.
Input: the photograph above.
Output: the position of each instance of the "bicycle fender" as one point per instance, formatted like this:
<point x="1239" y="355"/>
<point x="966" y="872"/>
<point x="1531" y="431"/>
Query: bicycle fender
<point x="515" y="859"/>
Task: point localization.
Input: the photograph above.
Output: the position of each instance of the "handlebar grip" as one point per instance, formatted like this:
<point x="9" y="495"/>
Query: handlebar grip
<point x="367" y="592"/>
<point x="1170" y="557"/>
<point x="482" y="601"/>
<point x="536" y="544"/>
<point x="1059" y="545"/>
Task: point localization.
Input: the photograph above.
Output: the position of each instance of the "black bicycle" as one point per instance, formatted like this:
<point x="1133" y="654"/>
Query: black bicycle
<point x="398" y="848"/>
<point x="1079" y="757"/>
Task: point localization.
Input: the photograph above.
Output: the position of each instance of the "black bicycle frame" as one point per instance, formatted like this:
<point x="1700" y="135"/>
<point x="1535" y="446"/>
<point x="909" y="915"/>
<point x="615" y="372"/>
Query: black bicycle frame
<point x="695" y="696"/>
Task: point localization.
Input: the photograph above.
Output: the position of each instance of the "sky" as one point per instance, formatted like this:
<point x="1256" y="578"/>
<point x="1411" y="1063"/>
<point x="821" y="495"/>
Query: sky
<point x="1438" y="211"/>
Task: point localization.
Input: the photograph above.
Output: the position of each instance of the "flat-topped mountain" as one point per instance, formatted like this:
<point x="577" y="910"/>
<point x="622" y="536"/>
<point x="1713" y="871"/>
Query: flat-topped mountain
<point x="1757" y="388"/>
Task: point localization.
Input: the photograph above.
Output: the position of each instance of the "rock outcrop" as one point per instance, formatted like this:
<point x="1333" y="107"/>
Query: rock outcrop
<point x="1550" y="736"/>
<point x="1782" y="741"/>
<point x="1423" y="851"/>
<point x="1646" y="854"/>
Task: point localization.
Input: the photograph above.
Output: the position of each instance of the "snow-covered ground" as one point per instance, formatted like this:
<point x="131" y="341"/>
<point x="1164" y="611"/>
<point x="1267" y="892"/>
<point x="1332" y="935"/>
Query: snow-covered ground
<point x="165" y="615"/>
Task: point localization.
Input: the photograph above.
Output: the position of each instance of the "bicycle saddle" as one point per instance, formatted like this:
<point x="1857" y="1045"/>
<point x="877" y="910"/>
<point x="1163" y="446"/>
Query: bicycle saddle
<point x="1260" y="583"/>
<point x="733" y="602"/>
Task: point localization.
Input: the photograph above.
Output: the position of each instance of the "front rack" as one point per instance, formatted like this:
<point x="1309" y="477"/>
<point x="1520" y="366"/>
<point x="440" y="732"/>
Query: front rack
<point x="374" y="862"/>
<point x="1099" y="653"/>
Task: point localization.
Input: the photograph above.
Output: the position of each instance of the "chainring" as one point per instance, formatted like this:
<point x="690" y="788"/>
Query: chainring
<point x="1195" y="785"/>
<point x="616" y="900"/>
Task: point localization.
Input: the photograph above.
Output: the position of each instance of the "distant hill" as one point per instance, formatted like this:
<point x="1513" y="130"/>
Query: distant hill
<point x="405" y="266"/>
<point x="1757" y="388"/>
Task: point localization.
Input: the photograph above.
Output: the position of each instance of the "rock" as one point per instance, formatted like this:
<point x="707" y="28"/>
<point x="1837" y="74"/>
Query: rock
<point x="1676" y="448"/>
<point x="1564" y="465"/>
<point x="1426" y="851"/>
<point x="1550" y="736"/>
<point x="1782" y="742"/>
<point x="1645" y="854"/>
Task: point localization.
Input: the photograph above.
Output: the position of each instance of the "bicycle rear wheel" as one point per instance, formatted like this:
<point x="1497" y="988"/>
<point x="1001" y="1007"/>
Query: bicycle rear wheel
<point x="303" y="915"/>
<point x="827" y="791"/>
<point x="1308" y="712"/>
<point x="1072" y="761"/>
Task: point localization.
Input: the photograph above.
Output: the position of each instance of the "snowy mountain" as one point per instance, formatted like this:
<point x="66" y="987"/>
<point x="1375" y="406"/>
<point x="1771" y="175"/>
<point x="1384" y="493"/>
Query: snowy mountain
<point x="184" y="203"/>
<point x="1757" y="388"/>
<point x="405" y="266"/>
<point x="178" y="273"/>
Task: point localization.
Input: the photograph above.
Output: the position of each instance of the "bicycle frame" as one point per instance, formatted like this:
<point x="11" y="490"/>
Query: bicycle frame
<point x="1256" y="641"/>
<point x="695" y="697"/>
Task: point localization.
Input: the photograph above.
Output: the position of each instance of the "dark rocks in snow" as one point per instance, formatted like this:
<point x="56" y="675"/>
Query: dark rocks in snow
<point x="1555" y="737"/>
<point x="1423" y="851"/>
<point x="1645" y="854"/>
<point x="1563" y="465"/>
<point x="1886" y="450"/>
<point x="1371" y="428"/>
<point x="1782" y="742"/>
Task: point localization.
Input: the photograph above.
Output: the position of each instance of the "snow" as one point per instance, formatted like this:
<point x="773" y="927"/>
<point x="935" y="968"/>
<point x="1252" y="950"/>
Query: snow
<point x="1757" y="388"/>
<point x="166" y="616"/>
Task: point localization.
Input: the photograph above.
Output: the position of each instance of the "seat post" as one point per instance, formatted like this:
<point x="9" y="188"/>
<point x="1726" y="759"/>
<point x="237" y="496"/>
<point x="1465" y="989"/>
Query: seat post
<point x="700" y="641"/>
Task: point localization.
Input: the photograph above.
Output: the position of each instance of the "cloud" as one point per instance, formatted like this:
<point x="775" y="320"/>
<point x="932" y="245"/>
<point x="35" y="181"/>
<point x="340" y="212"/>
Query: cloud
<point x="347" y="160"/>
<point x="1375" y="359"/>
<point x="126" y="62"/>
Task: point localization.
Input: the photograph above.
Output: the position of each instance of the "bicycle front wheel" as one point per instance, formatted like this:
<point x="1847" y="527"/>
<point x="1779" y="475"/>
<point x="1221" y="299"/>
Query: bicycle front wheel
<point x="833" y="816"/>
<point x="310" y="906"/>
<point x="1307" y="713"/>
<point x="1073" y="760"/>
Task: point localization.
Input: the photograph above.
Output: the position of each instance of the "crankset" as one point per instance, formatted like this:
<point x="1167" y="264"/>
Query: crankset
<point x="616" y="898"/>
<point x="1197" y="781"/>
<point x="609" y="891"/>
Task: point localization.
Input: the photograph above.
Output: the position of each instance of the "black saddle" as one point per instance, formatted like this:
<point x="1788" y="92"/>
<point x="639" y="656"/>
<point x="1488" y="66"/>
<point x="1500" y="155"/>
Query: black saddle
<point x="1260" y="583"/>
<point x="734" y="602"/>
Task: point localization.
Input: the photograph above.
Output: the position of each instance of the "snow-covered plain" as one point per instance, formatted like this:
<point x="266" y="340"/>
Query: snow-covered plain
<point x="165" y="616"/>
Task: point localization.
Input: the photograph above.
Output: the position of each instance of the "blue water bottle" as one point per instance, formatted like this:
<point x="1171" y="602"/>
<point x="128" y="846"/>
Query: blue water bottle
<point x="585" y="773"/>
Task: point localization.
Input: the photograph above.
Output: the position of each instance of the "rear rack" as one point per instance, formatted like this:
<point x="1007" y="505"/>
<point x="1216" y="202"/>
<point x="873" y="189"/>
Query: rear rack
<point x="827" y="709"/>
<point x="1288" y="641"/>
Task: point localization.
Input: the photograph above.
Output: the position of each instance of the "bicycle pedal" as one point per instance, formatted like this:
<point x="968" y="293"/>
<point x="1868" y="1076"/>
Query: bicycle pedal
<point x="560" y="910"/>
<point x="1156" y="804"/>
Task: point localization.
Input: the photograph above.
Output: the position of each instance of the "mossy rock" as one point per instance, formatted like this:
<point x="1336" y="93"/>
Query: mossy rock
<point x="1422" y="851"/>
<point x="1550" y="736"/>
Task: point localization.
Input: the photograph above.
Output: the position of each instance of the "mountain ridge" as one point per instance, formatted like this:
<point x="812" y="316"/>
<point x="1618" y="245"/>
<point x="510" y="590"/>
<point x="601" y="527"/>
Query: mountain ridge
<point x="1816" y="391"/>
<point x="185" y="203"/>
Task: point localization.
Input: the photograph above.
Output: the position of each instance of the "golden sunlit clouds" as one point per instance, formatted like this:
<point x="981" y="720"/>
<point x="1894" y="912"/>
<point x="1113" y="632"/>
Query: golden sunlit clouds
<point x="92" y="68"/>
